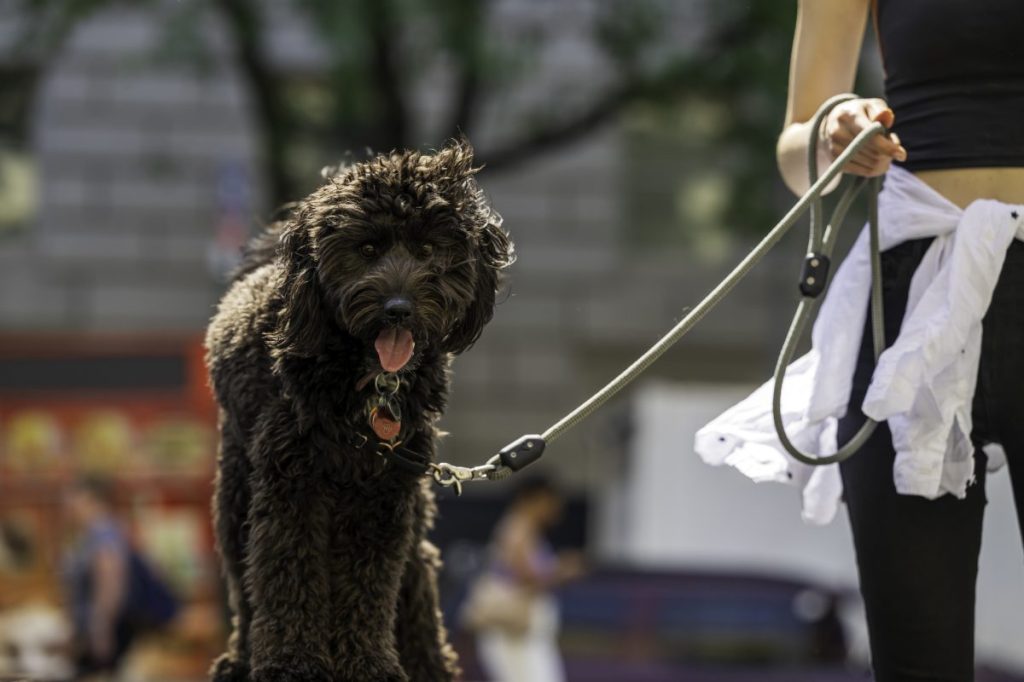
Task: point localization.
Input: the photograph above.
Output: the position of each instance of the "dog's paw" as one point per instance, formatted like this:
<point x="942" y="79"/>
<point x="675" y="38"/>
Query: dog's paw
<point x="224" y="669"/>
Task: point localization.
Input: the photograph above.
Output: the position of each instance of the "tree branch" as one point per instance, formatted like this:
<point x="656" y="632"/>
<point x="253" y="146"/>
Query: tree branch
<point x="601" y="111"/>
<point x="605" y="108"/>
<point x="557" y="134"/>
<point x="387" y="80"/>
<point x="466" y="37"/>
<point x="466" y="102"/>
<point x="246" y="26"/>
<point x="42" y="27"/>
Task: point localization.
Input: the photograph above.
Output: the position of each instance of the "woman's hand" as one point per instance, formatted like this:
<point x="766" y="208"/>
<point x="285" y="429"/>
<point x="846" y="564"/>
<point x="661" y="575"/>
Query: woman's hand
<point x="846" y="121"/>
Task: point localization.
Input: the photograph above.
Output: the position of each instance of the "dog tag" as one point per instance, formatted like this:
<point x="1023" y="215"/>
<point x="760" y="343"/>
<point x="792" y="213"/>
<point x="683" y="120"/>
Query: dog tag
<point x="386" y="428"/>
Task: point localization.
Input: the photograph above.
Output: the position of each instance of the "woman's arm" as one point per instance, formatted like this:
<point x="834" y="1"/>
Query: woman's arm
<point x="826" y="50"/>
<point x="517" y="546"/>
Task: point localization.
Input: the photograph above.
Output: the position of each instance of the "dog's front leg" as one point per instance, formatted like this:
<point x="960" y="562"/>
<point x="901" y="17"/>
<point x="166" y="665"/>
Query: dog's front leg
<point x="420" y="633"/>
<point x="285" y="573"/>
<point x="419" y="629"/>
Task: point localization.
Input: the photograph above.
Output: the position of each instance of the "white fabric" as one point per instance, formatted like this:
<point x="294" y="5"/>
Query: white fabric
<point x="923" y="385"/>
<point x="533" y="657"/>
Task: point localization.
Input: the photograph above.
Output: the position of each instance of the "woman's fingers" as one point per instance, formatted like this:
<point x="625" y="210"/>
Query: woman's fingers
<point x="842" y="139"/>
<point x="865" y="154"/>
<point x="877" y="111"/>
<point x="847" y="121"/>
<point x="868" y="161"/>
<point x="900" y="153"/>
<point x="867" y="168"/>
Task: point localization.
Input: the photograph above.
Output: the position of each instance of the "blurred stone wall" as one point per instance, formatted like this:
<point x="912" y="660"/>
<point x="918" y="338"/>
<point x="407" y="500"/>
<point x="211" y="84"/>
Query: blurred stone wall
<point x="142" y="167"/>
<point x="145" y="169"/>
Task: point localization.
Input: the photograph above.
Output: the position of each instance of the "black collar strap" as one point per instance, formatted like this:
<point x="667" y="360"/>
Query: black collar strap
<point x="397" y="455"/>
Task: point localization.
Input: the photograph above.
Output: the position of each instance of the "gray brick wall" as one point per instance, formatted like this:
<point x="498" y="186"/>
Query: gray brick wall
<point x="129" y="153"/>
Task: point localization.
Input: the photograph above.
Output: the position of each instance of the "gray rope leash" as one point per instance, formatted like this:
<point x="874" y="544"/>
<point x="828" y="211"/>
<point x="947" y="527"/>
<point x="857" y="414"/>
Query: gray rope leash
<point x="528" y="449"/>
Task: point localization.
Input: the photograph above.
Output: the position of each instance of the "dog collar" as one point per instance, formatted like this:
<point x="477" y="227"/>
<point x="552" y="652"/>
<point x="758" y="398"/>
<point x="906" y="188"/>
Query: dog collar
<point x="384" y="418"/>
<point x="396" y="454"/>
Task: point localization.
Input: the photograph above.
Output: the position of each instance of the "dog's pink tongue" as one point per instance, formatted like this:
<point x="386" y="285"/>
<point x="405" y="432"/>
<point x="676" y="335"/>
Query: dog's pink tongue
<point x="394" y="348"/>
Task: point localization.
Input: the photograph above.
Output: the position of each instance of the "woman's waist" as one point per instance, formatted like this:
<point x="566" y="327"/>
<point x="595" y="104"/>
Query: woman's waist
<point x="965" y="185"/>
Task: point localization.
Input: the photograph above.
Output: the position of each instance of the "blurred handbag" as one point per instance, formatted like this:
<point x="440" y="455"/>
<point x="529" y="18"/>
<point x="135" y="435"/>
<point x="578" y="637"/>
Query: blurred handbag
<point x="496" y="604"/>
<point x="150" y="603"/>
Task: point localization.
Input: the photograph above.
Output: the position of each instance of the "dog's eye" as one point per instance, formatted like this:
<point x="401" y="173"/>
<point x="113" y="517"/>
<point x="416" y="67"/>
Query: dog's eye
<point x="426" y="250"/>
<point x="368" y="250"/>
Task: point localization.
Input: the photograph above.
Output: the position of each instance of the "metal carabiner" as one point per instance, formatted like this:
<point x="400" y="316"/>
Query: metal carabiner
<point x="452" y="476"/>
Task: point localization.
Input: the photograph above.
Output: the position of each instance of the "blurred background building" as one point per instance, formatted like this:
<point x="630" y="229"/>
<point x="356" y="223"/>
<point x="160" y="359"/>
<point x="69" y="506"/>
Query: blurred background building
<point x="628" y="145"/>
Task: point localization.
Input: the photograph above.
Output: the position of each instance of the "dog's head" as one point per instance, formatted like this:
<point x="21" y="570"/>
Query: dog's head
<point x="401" y="252"/>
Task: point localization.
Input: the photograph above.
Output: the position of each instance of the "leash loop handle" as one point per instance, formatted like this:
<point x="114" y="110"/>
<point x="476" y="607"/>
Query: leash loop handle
<point x="822" y="243"/>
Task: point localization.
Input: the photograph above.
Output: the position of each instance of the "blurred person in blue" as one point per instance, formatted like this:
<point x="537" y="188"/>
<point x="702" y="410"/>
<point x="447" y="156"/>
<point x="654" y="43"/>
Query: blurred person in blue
<point x="511" y="606"/>
<point x="949" y="389"/>
<point x="97" y="578"/>
<point x="113" y="594"/>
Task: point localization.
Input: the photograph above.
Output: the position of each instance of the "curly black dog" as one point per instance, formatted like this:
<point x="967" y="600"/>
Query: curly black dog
<point x="384" y="272"/>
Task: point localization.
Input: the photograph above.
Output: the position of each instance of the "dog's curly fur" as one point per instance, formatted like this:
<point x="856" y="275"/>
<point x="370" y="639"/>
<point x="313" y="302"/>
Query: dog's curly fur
<point x="329" y="572"/>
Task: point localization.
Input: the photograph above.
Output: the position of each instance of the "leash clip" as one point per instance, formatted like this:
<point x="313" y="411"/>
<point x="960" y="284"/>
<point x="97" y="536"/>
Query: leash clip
<point x="452" y="476"/>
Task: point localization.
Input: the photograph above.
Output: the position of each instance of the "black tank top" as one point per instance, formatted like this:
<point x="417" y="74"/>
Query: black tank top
<point x="954" y="76"/>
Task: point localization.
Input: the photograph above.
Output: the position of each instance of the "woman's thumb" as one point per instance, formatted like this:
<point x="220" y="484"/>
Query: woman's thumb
<point x="879" y="112"/>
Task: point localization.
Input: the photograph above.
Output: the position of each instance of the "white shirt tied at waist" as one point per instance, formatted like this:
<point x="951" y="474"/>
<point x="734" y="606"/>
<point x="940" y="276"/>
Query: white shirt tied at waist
<point x="923" y="384"/>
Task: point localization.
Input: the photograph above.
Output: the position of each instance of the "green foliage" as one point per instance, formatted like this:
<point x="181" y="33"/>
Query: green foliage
<point x="747" y="77"/>
<point x="377" y="51"/>
<point x="713" y="143"/>
<point x="627" y="30"/>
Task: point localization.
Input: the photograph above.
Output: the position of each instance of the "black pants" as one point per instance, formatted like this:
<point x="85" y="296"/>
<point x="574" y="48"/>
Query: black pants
<point x="918" y="558"/>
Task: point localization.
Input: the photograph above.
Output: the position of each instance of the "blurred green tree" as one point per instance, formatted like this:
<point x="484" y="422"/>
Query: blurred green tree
<point x="375" y="52"/>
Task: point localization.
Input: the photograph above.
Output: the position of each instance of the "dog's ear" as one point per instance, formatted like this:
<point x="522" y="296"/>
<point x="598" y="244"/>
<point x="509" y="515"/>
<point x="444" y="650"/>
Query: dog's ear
<point x="301" y="322"/>
<point x="451" y="167"/>
<point x="494" y="252"/>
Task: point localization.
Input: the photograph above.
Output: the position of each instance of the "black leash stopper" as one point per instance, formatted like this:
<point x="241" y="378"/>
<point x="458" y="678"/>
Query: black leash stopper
<point x="523" y="452"/>
<point x="814" y="275"/>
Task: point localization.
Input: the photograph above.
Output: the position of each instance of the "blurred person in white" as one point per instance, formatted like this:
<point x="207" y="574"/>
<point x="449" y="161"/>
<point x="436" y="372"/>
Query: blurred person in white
<point x="511" y="607"/>
<point x="34" y="635"/>
<point x="33" y="644"/>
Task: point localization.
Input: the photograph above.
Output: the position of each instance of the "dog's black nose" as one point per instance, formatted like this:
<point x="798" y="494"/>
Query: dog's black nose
<point x="398" y="309"/>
